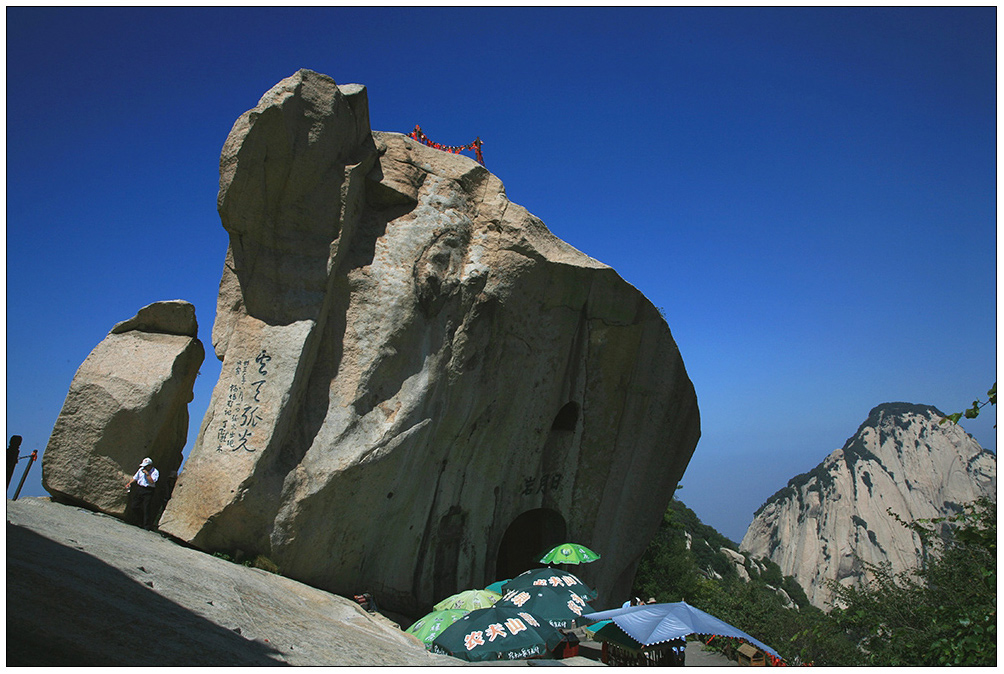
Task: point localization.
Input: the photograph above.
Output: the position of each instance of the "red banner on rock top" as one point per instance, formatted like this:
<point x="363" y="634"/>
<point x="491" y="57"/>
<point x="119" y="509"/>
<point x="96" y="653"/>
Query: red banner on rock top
<point x="455" y="149"/>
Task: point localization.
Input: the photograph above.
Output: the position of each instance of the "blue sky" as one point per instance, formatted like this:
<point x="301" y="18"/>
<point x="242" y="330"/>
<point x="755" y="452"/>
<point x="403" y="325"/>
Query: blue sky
<point x="809" y="194"/>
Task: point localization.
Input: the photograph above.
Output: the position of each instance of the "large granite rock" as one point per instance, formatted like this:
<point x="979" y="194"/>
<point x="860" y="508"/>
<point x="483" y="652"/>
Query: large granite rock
<point x="825" y="523"/>
<point x="422" y="388"/>
<point x="128" y="400"/>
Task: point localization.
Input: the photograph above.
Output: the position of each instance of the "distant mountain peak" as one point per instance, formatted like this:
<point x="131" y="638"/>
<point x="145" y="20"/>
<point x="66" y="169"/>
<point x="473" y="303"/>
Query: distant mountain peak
<point x="886" y="409"/>
<point x="826" y="522"/>
<point x="897" y="413"/>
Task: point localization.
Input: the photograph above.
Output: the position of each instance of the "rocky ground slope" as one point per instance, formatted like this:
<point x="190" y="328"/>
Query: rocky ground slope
<point x="85" y="589"/>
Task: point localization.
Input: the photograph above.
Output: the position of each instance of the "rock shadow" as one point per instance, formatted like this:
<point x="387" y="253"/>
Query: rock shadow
<point x="95" y="615"/>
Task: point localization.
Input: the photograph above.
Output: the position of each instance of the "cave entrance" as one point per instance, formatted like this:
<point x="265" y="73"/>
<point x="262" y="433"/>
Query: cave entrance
<point x="527" y="539"/>
<point x="567" y="417"/>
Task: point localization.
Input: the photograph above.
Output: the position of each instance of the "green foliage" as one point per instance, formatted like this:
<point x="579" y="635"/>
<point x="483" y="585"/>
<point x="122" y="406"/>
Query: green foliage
<point x="667" y="570"/>
<point x="772" y="574"/>
<point x="805" y="635"/>
<point x="670" y="572"/>
<point x="690" y="522"/>
<point x="795" y="591"/>
<point x="944" y="613"/>
<point x="973" y="411"/>
<point x="259" y="562"/>
<point x="707" y="542"/>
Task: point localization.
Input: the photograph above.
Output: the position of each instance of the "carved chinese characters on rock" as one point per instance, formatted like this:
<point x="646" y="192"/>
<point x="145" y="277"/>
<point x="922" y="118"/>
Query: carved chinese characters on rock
<point x="244" y="402"/>
<point x="547" y="482"/>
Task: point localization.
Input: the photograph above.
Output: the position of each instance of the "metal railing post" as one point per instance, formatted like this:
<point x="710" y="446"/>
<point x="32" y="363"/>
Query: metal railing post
<point x="31" y="460"/>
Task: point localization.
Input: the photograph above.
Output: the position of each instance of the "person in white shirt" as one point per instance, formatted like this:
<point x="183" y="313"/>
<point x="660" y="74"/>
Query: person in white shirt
<point x="145" y="482"/>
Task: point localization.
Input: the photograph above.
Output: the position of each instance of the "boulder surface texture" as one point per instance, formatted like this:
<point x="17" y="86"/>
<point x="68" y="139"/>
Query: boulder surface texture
<point x="86" y="590"/>
<point x="827" y="523"/>
<point x="422" y="388"/>
<point x="127" y="401"/>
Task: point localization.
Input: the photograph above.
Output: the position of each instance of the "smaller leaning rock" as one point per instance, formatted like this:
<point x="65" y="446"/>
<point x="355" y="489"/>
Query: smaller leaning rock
<point x="128" y="400"/>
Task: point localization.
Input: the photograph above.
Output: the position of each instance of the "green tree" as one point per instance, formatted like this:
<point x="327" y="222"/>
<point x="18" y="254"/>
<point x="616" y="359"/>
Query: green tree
<point x="945" y="612"/>
<point x="795" y="591"/>
<point x="806" y="635"/>
<point x="668" y="570"/>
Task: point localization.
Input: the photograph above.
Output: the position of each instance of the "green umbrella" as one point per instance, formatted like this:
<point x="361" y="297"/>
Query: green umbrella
<point x="469" y="600"/>
<point x="559" y="606"/>
<point x="497" y="586"/>
<point x="570" y="553"/>
<point x="498" y="633"/>
<point x="551" y="577"/>
<point x="432" y="625"/>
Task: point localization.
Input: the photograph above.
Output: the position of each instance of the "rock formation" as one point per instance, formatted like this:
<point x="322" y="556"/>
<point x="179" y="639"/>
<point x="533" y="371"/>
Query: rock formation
<point x="825" y="523"/>
<point x="739" y="561"/>
<point x="128" y="400"/>
<point x="422" y="388"/>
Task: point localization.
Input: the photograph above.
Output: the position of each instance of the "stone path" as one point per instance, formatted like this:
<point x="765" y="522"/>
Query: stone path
<point x="698" y="656"/>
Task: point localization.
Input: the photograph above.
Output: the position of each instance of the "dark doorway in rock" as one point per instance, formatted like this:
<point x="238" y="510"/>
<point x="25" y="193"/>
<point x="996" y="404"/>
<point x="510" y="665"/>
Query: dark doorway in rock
<point x="526" y="540"/>
<point x="567" y="417"/>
